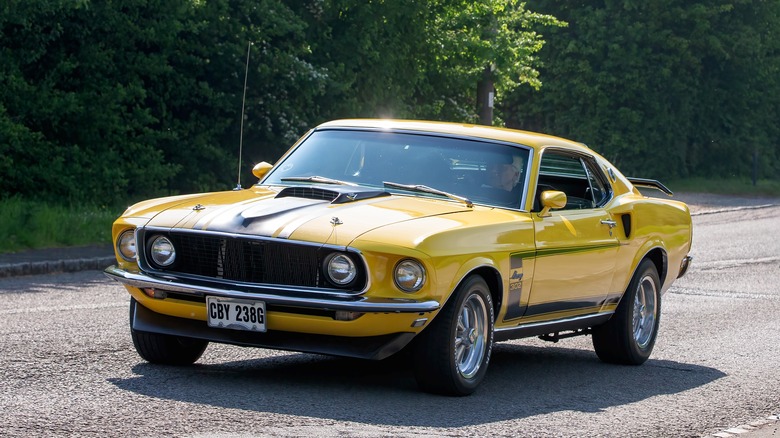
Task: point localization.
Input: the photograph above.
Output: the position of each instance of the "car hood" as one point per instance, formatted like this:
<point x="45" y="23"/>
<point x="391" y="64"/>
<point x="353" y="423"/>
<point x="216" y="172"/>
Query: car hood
<point x="333" y="215"/>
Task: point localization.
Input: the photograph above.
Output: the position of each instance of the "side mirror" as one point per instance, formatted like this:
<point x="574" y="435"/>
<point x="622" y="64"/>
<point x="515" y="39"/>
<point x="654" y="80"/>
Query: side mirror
<point x="261" y="169"/>
<point x="551" y="199"/>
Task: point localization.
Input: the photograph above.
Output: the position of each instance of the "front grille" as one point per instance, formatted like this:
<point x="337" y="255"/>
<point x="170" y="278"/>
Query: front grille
<point x="249" y="259"/>
<point x="245" y="260"/>
<point x="252" y="261"/>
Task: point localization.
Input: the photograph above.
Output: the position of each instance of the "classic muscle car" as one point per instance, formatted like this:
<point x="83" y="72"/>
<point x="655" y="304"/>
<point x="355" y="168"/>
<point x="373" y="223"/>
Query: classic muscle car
<point x="369" y="237"/>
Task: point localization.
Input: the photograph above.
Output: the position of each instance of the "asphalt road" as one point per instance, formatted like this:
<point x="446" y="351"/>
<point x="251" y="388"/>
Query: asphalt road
<point x="68" y="367"/>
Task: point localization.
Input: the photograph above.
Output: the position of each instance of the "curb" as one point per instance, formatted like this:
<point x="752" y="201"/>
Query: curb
<point x="55" y="266"/>
<point x="765" y="427"/>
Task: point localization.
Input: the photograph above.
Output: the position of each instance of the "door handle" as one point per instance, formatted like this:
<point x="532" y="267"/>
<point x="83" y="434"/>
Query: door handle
<point x="611" y="223"/>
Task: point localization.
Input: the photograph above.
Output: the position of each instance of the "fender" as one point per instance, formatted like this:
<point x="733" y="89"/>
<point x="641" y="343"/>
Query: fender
<point x="648" y="248"/>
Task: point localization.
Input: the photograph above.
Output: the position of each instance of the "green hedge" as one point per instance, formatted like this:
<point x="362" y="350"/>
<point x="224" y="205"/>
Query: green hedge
<point x="107" y="102"/>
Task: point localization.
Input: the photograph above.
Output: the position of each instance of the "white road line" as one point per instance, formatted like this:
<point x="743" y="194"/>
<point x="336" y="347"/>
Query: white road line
<point x="63" y="308"/>
<point x="730" y="209"/>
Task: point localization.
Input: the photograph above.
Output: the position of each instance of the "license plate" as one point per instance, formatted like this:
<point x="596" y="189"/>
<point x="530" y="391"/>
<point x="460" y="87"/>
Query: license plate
<point x="236" y="314"/>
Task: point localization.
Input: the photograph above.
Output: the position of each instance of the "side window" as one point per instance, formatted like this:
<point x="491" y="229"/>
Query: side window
<point x="577" y="176"/>
<point x="600" y="191"/>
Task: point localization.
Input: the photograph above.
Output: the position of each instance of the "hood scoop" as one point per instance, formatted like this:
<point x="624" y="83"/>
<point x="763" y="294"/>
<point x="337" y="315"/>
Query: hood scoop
<point x="334" y="195"/>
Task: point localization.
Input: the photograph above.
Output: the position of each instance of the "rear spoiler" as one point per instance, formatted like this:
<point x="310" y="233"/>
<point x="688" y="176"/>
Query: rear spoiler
<point x="650" y="183"/>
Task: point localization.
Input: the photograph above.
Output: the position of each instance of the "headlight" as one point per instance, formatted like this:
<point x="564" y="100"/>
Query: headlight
<point x="341" y="269"/>
<point x="162" y="251"/>
<point x="409" y="275"/>
<point x="125" y="244"/>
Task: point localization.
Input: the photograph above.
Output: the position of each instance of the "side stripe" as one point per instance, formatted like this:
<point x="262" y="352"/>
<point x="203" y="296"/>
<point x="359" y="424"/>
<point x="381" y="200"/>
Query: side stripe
<point x="575" y="249"/>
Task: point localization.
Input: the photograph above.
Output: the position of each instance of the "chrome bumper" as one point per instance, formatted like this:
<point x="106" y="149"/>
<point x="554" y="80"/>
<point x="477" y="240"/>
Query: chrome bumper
<point x="684" y="265"/>
<point x="272" y="295"/>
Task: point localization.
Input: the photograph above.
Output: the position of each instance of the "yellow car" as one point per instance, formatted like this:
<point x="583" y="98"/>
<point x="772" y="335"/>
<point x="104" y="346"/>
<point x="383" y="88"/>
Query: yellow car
<point x="369" y="237"/>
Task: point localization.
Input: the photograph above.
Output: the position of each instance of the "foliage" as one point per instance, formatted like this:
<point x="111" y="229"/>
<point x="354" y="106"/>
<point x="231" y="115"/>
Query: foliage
<point x="123" y="100"/>
<point x="35" y="224"/>
<point x="110" y="102"/>
<point x="742" y="187"/>
<point x="470" y="36"/>
<point x="411" y="59"/>
<point x="670" y="88"/>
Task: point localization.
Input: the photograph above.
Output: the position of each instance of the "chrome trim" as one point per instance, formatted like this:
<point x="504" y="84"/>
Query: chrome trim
<point x="538" y="328"/>
<point x="611" y="223"/>
<point x="346" y="127"/>
<point x="684" y="265"/>
<point x="274" y="295"/>
<point x="422" y="268"/>
<point x="153" y="228"/>
<point x="144" y="264"/>
<point x="583" y="156"/>
<point x="119" y="251"/>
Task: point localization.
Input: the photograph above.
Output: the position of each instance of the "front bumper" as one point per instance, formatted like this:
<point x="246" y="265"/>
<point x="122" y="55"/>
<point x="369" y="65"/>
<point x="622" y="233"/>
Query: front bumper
<point x="684" y="265"/>
<point x="365" y="347"/>
<point x="290" y="297"/>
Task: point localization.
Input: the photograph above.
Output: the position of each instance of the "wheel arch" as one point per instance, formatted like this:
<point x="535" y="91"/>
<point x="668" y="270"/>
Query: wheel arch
<point x="494" y="282"/>
<point x="660" y="259"/>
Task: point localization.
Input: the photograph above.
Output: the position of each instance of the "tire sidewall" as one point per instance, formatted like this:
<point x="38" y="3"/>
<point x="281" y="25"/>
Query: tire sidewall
<point x="473" y="285"/>
<point x="638" y="353"/>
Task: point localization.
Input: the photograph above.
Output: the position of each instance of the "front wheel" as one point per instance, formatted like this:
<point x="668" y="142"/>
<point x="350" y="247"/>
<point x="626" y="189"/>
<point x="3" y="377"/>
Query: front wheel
<point x="629" y="336"/>
<point x="165" y="349"/>
<point x="451" y="356"/>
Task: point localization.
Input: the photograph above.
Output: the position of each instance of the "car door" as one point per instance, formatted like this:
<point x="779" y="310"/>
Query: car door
<point x="576" y="247"/>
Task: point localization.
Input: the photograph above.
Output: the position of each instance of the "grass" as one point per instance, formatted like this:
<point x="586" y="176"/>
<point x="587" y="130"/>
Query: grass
<point x="743" y="187"/>
<point x="26" y="224"/>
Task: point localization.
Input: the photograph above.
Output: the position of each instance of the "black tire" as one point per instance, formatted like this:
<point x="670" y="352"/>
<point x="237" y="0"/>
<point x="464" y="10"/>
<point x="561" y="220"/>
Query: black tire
<point x="629" y="336"/>
<point x="451" y="355"/>
<point x="165" y="349"/>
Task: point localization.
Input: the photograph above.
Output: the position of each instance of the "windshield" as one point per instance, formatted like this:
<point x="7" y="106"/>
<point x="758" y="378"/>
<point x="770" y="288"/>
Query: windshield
<point x="482" y="171"/>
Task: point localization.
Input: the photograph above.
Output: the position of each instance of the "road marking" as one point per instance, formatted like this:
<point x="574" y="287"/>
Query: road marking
<point x="720" y="264"/>
<point x="730" y="209"/>
<point x="63" y="308"/>
<point x="676" y="290"/>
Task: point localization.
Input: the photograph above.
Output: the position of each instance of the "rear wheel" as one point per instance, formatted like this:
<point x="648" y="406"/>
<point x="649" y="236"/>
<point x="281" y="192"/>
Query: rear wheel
<point x="165" y="349"/>
<point x="629" y="336"/>
<point x="451" y="356"/>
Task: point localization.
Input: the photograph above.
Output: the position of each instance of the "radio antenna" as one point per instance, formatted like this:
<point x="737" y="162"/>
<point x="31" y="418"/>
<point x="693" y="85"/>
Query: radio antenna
<point x="243" y="105"/>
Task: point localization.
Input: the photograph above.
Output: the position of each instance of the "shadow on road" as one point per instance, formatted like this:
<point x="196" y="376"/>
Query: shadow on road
<point x="523" y="381"/>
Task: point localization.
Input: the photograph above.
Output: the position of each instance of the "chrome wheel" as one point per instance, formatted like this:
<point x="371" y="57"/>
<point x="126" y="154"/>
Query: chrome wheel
<point x="470" y="336"/>
<point x="452" y="354"/>
<point x="629" y="336"/>
<point x="644" y="312"/>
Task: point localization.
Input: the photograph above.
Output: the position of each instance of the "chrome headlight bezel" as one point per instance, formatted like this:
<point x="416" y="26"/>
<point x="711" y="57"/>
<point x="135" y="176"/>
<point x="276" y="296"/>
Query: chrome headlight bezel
<point x="162" y="251"/>
<point x="126" y="245"/>
<point x="340" y="269"/>
<point x="409" y="275"/>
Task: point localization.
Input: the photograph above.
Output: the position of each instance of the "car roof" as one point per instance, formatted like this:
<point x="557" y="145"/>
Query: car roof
<point x="533" y="139"/>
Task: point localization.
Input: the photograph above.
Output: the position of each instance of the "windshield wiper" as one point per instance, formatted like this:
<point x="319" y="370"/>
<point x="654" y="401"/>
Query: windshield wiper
<point x="426" y="189"/>
<point x="318" y="179"/>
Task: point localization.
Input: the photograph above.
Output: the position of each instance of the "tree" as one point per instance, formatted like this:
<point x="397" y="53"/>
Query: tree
<point x="406" y="58"/>
<point x="664" y="89"/>
<point x="491" y="43"/>
<point x="114" y="101"/>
